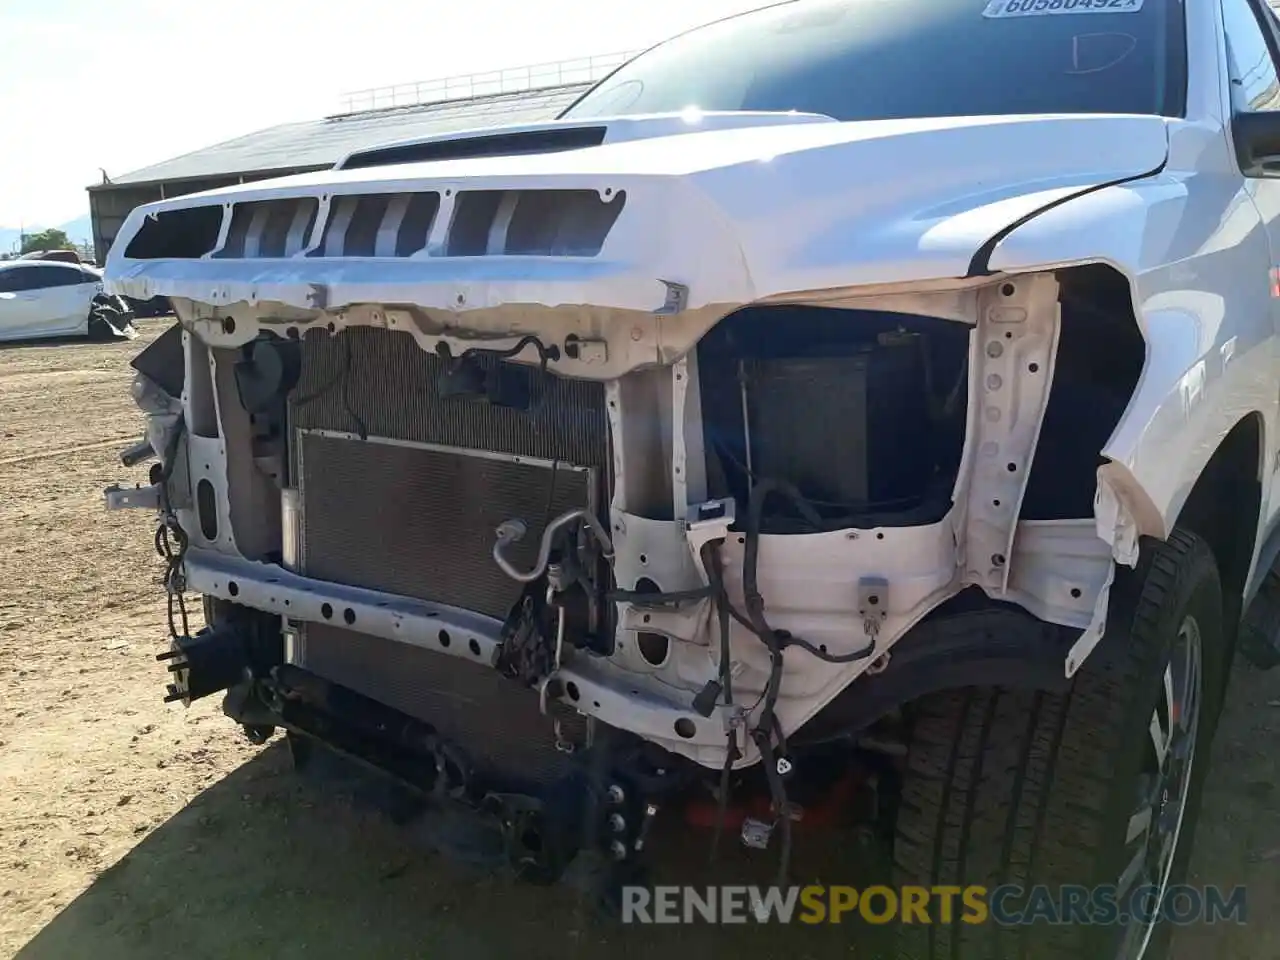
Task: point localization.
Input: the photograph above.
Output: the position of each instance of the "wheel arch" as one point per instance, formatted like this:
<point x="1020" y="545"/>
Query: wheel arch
<point x="1224" y="508"/>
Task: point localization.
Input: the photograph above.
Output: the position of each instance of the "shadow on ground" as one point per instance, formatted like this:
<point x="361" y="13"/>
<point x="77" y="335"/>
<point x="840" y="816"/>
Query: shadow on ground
<point x="263" y="864"/>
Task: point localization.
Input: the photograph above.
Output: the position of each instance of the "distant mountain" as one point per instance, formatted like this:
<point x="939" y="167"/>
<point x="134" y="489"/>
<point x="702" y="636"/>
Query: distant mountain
<point x="79" y="230"/>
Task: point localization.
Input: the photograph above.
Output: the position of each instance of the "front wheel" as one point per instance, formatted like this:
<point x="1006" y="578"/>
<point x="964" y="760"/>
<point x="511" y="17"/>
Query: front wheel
<point x="1095" y="789"/>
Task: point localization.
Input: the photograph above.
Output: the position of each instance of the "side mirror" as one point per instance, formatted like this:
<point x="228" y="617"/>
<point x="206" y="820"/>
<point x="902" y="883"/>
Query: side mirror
<point x="1257" y="140"/>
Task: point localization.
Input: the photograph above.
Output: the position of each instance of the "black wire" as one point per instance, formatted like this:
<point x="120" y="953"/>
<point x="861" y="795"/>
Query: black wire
<point x="168" y="530"/>
<point x="545" y="352"/>
<point x="328" y="385"/>
<point x="778" y="795"/>
<point x="361" y="430"/>
<point x="343" y="378"/>
<point x="791" y="640"/>
<point x="731" y="755"/>
<point x="715" y="570"/>
<point x="861" y="507"/>
<point x="715" y="574"/>
<point x="658" y="599"/>
<point x="768" y="727"/>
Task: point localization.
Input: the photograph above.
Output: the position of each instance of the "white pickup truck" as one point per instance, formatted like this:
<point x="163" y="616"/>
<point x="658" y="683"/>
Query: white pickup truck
<point x="881" y="386"/>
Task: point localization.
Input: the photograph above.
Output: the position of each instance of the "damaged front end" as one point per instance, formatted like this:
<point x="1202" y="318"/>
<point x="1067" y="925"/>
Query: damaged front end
<point x="522" y="580"/>
<point x="474" y="496"/>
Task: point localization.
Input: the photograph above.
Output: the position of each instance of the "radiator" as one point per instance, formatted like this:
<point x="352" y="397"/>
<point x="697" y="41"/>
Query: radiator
<point x="494" y="721"/>
<point x="401" y="491"/>
<point x="419" y="521"/>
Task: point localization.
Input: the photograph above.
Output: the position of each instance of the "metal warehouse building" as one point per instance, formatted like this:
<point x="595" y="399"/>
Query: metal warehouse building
<point x="370" y="117"/>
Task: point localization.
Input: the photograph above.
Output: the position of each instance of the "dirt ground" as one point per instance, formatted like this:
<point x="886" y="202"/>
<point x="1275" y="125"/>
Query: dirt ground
<point x="129" y="828"/>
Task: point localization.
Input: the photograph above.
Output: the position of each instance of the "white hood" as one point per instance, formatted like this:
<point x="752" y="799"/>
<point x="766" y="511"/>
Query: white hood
<point x="734" y="215"/>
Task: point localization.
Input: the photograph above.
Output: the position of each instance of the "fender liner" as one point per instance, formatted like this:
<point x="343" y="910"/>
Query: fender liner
<point x="967" y="641"/>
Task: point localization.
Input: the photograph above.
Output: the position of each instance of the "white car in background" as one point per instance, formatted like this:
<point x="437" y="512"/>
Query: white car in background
<point x="41" y="298"/>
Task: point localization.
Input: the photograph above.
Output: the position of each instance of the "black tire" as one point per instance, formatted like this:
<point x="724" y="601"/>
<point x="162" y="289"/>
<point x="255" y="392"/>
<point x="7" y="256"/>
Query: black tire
<point x="1024" y="788"/>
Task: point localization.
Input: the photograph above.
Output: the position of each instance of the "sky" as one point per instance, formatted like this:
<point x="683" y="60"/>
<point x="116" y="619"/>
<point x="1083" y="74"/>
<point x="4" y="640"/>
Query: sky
<point x="87" y="86"/>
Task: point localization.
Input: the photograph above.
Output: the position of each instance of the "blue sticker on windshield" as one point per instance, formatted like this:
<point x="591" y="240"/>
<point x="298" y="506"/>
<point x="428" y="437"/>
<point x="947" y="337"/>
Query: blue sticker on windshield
<point x="1043" y="8"/>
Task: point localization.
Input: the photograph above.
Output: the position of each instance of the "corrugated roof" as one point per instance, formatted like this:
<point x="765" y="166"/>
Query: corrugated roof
<point x="321" y="143"/>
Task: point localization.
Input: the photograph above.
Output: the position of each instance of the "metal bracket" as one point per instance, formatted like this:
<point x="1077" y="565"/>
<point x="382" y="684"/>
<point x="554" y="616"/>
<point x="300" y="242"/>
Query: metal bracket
<point x="756" y="833"/>
<point x="676" y="300"/>
<point x="132" y="498"/>
<point x="873" y="605"/>
<point x="706" y="523"/>
<point x="1013" y="352"/>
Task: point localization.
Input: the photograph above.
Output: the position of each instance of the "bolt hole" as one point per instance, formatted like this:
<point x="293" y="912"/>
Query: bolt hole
<point x="444" y="638"/>
<point x="461" y="298"/>
<point x="286" y="603"/>
<point x="822" y="647"/>
<point x="474" y="646"/>
<point x="654" y="648"/>
<point x="1008" y="335"/>
<point x="326" y="611"/>
<point x="685" y="728"/>
<point x="647" y="618"/>
<point x="644" y="559"/>
<point x="742" y="539"/>
<point x="879" y="536"/>
<point x="596" y="704"/>
<point x="228" y="325"/>
<point x="349" y="616"/>
<point x="531" y="841"/>
<point x="233" y="588"/>
<point x="571" y="688"/>
<point x="1007" y="290"/>
<point x="1033" y="367"/>
<point x="1075" y="593"/>
<point x="997" y="559"/>
<point x="873" y="600"/>
<point x="608" y="191"/>
<point x="1011" y="467"/>
<point x="332" y="326"/>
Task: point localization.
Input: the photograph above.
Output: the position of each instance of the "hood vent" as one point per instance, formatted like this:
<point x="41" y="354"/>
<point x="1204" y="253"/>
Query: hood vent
<point x="491" y="145"/>
<point x="269" y="228"/>
<point x="545" y="223"/>
<point x="184" y="234"/>
<point x="532" y="223"/>
<point x="378" y="225"/>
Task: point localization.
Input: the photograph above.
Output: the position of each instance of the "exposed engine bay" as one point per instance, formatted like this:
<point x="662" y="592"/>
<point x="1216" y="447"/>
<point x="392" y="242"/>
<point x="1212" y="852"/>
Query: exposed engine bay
<point x="518" y="544"/>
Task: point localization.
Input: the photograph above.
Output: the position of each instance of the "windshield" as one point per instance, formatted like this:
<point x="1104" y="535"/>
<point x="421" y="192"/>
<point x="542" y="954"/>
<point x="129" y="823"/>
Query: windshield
<point x="889" y="59"/>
